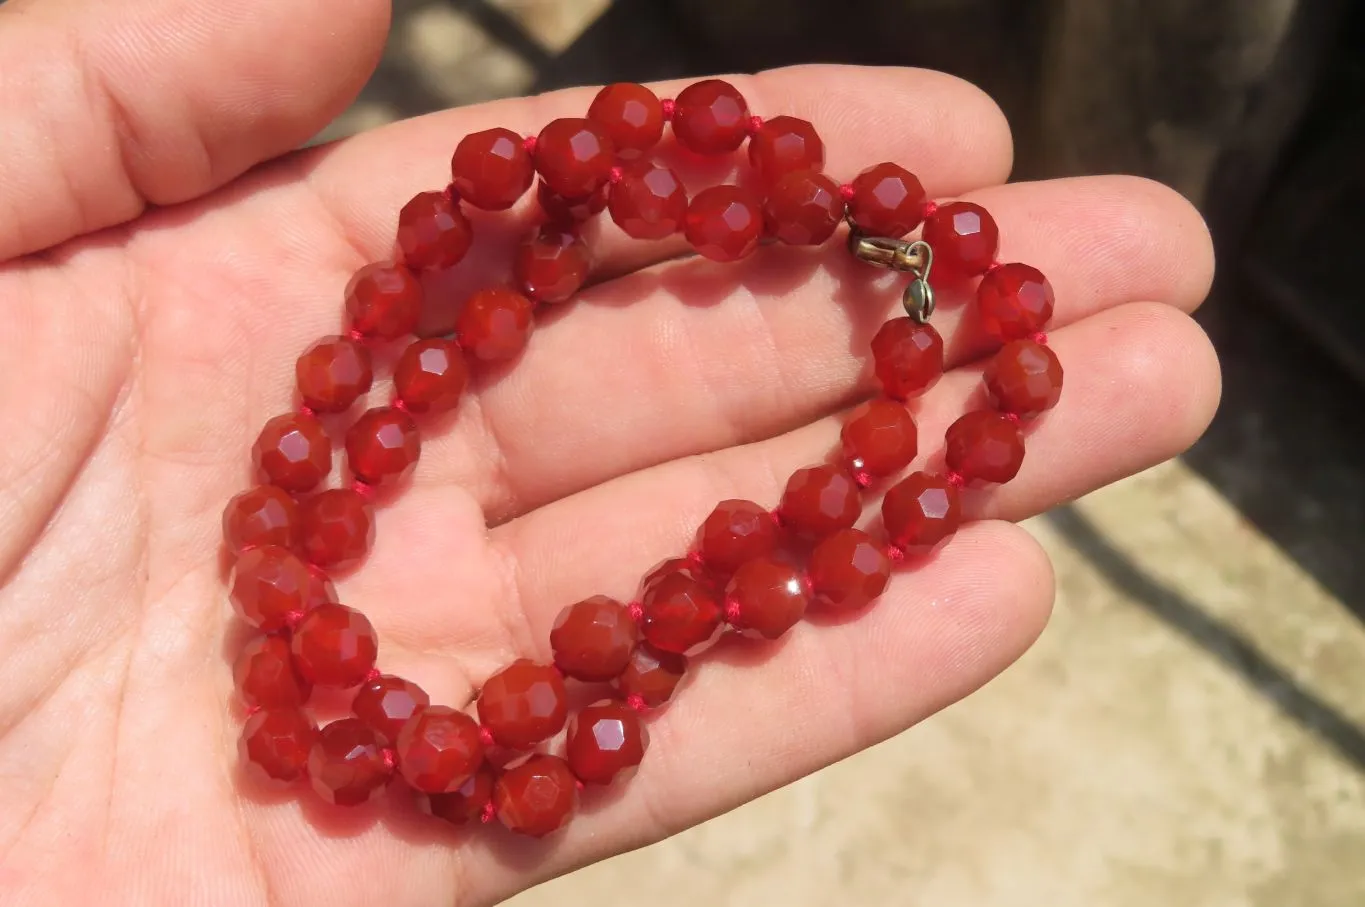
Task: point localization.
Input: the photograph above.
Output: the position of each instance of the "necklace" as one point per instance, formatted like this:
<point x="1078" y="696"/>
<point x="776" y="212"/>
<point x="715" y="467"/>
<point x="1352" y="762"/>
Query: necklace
<point x="753" y="570"/>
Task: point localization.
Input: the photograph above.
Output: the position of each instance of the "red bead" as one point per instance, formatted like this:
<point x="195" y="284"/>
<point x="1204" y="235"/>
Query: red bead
<point x="680" y="614"/>
<point x="963" y="236"/>
<point x="382" y="445"/>
<point x="270" y="586"/>
<point x="386" y="703"/>
<point x="1014" y="301"/>
<point x="466" y="803"/>
<point x="735" y="532"/>
<point x="333" y="373"/>
<point x="984" y="446"/>
<point x="921" y="511"/>
<point x="523" y="704"/>
<point x="710" y="117"/>
<point x="293" y="452"/>
<point x="431" y="375"/>
<point x="648" y="202"/>
<point x="265" y="677"/>
<point x="536" y="797"/>
<point x="669" y="566"/>
<point x="492" y="169"/>
<point x="384" y="300"/>
<point x="820" y="500"/>
<point x="766" y="597"/>
<point x="879" y="437"/>
<point x="334" y="646"/>
<point x="803" y="209"/>
<point x="785" y="145"/>
<point x="848" y="571"/>
<point x="551" y="265"/>
<point x="630" y="115"/>
<point x="888" y="200"/>
<point x="574" y="157"/>
<point x="433" y="232"/>
<point x="439" y="750"/>
<point x="1024" y="378"/>
<point x="494" y="324"/>
<point x="604" y="740"/>
<point x="592" y="640"/>
<point x="908" y="357"/>
<point x="264" y="515"/>
<point x="724" y="223"/>
<point x="347" y="765"/>
<point x="319" y="591"/>
<point x="275" y="743"/>
<point x="336" y="527"/>
<point x="569" y="212"/>
<point x="652" y="675"/>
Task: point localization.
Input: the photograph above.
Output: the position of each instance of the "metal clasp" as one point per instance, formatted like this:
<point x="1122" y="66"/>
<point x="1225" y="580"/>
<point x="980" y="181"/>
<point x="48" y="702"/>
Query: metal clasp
<point x="914" y="257"/>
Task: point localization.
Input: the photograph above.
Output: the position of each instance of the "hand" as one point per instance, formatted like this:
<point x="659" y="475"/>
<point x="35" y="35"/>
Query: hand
<point x="156" y="295"/>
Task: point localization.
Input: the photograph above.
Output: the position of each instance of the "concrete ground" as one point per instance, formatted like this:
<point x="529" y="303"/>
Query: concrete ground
<point x="1187" y="732"/>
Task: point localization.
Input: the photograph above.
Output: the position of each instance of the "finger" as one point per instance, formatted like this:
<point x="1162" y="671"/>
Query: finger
<point x="110" y="107"/>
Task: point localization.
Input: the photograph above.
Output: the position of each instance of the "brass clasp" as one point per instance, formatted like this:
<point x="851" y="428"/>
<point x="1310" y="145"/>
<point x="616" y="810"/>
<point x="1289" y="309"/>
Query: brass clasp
<point x="914" y="257"/>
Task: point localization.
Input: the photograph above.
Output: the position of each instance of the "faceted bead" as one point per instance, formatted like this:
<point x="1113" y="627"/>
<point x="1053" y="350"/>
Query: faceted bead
<point x="570" y="212"/>
<point x="710" y="117"/>
<point x="1014" y="301"/>
<point x="433" y="232"/>
<point x="551" y="265"/>
<point x="820" y="500"/>
<point x="669" y="566"/>
<point x="492" y="169"/>
<point x="964" y="238"/>
<point x="466" y="803"/>
<point x="382" y="445"/>
<point x="348" y="765"/>
<point x="888" y="200"/>
<point x="275" y="743"/>
<point x="293" y="452"/>
<point x="766" y="597"/>
<point x="630" y="115"/>
<point x="908" y="357"/>
<point x="265" y="677"/>
<point x="264" y="515"/>
<point x="803" y="209"/>
<point x="848" y="571"/>
<point x="494" y="324"/>
<point x="536" y="797"/>
<point x="439" y="749"/>
<point x="270" y="585"/>
<point x="574" y="157"/>
<point x="336" y="527"/>
<point x="652" y="675"/>
<point x="431" y="375"/>
<point x="386" y="703"/>
<point x="1024" y="378"/>
<point x="648" y="202"/>
<point x="384" y="300"/>
<point x="592" y="639"/>
<point x="319" y="590"/>
<point x="879" y="437"/>
<point x="984" y="446"/>
<point x="523" y="704"/>
<point x="332" y="373"/>
<point x="334" y="646"/>
<point x="921" y="511"/>
<point x="785" y="145"/>
<point x="736" y="531"/>
<point x="603" y="740"/>
<point x="724" y="223"/>
<point x="680" y="614"/>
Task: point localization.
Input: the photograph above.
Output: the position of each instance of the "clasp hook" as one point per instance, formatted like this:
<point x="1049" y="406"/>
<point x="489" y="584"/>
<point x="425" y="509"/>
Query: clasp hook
<point x="915" y="257"/>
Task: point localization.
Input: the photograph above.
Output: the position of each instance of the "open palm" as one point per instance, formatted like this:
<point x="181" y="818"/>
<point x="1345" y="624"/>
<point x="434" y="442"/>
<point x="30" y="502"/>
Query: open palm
<point x="143" y="349"/>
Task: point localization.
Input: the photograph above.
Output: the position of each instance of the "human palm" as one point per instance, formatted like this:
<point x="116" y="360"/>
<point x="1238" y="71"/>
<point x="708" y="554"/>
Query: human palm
<point x="143" y="350"/>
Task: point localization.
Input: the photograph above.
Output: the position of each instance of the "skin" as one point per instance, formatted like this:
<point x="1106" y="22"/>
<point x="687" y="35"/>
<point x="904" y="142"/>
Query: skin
<point x="166" y="261"/>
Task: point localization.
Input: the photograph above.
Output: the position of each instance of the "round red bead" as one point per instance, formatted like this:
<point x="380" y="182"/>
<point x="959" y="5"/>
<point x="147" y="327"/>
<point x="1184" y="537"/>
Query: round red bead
<point x="551" y="265"/>
<point x="467" y="802"/>
<point x="908" y="357"/>
<point x="785" y="145"/>
<point x="766" y="597"/>
<point x="1014" y="301"/>
<point x="492" y="169"/>
<point x="293" y="452"/>
<point x="334" y="646"/>
<point x="265" y="676"/>
<point x="433" y="232"/>
<point x="439" y="749"/>
<point x="523" y="704"/>
<point x="336" y="527"/>
<point x="431" y="375"/>
<point x="735" y="532"/>
<point x="574" y="157"/>
<point x="275" y="743"/>
<point x="384" y="300"/>
<point x="680" y="614"/>
<point x="984" y="446"/>
<point x="803" y="209"/>
<point x="1024" y="378"/>
<point x="347" y="765"/>
<point x="879" y="437"/>
<point x="710" y="117"/>
<point x="820" y="500"/>
<point x="592" y="639"/>
<point x="568" y="213"/>
<point x="888" y="200"/>
<point x="494" y="324"/>
<point x="651" y="676"/>
<point x="386" y="703"/>
<point x="963" y="236"/>
<point x="264" y="515"/>
<point x="333" y="373"/>
<point x="270" y="586"/>
<point x="921" y="511"/>
<point x="382" y="445"/>
<point x="724" y="223"/>
<point x="669" y="566"/>
<point x="537" y="797"/>
<point x="648" y="202"/>
<point x="604" y="740"/>
<point x="631" y="116"/>
<point x="848" y="571"/>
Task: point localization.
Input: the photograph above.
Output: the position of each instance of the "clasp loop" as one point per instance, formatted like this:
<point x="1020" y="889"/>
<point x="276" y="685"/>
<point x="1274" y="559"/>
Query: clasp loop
<point x="915" y="257"/>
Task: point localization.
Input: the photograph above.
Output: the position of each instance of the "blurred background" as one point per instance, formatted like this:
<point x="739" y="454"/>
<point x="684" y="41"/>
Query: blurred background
<point x="1191" y="728"/>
